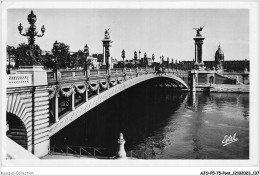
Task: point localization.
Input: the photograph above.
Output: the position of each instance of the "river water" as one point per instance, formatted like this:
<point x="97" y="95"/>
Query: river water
<point x="160" y="123"/>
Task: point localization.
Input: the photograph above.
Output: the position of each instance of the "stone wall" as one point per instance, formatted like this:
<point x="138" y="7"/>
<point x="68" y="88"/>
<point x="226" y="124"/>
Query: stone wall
<point x="19" y="103"/>
<point x="221" y="79"/>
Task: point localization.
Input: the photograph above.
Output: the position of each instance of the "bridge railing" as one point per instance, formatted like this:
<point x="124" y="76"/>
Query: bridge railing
<point x="62" y="74"/>
<point x="19" y="80"/>
<point x="98" y="72"/>
<point x="116" y="71"/>
<point x="81" y="151"/>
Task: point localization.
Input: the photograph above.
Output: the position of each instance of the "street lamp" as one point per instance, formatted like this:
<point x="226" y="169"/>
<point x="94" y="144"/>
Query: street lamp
<point x="123" y="56"/>
<point x="162" y="62"/>
<point x="168" y="63"/>
<point x="86" y="52"/>
<point x="135" y="58"/>
<point x="9" y="66"/>
<point x="56" y="51"/>
<point x="139" y="55"/>
<point x="153" y="58"/>
<point x="31" y="33"/>
<point x="145" y="59"/>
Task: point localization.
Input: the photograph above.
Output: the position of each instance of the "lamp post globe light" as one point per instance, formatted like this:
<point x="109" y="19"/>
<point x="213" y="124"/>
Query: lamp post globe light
<point x="145" y="59"/>
<point x="162" y="62"/>
<point x="31" y="32"/>
<point x="56" y="51"/>
<point x="153" y="57"/>
<point x="135" y="58"/>
<point x="123" y="56"/>
<point x="86" y="52"/>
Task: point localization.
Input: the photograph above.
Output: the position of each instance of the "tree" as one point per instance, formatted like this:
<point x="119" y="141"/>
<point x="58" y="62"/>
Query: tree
<point x="61" y="52"/>
<point x="78" y="59"/>
<point x="21" y="54"/>
<point x="48" y="60"/>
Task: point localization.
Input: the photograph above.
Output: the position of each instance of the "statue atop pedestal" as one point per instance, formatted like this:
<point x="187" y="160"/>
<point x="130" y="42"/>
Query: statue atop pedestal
<point x="34" y="56"/>
<point x="198" y="30"/>
<point x="107" y="33"/>
<point x="199" y="65"/>
<point x="106" y="53"/>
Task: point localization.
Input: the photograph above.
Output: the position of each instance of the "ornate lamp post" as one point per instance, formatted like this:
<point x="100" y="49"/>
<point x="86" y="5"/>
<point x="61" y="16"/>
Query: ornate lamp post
<point x="123" y="56"/>
<point x="31" y="33"/>
<point x="86" y="53"/>
<point x="162" y="62"/>
<point x="135" y="58"/>
<point x="153" y="57"/>
<point x="56" y="51"/>
<point x="145" y="59"/>
<point x="168" y="63"/>
<point x="139" y="54"/>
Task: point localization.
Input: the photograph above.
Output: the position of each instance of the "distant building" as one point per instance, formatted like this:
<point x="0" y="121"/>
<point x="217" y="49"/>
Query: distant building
<point x="113" y="62"/>
<point x="94" y="62"/>
<point x="147" y="60"/>
<point x="99" y="57"/>
<point x="230" y="66"/>
<point x="219" y="62"/>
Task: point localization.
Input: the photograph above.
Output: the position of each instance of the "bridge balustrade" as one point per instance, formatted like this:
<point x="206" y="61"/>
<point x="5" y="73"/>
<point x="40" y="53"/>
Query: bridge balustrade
<point x="117" y="71"/>
<point x="19" y="80"/>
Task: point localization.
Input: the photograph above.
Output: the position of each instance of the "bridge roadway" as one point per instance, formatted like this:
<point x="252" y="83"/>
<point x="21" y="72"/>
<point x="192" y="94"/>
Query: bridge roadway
<point x="40" y="111"/>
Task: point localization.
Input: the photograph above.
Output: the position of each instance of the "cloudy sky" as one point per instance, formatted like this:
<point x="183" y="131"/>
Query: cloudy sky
<point x="167" y="32"/>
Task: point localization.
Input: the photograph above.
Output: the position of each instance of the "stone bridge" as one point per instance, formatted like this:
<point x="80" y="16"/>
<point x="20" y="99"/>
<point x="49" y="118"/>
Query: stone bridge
<point x="41" y="103"/>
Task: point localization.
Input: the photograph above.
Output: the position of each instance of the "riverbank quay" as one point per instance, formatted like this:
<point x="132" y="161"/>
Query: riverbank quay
<point x="223" y="88"/>
<point x="229" y="88"/>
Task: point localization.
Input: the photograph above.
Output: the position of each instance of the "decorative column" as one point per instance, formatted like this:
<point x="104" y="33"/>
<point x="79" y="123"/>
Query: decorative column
<point x="98" y="91"/>
<point x="193" y="83"/>
<point x="153" y="57"/>
<point x="199" y="65"/>
<point x="86" y="95"/>
<point x="33" y="66"/>
<point x="106" y="53"/>
<point x="56" y="110"/>
<point x="121" y="149"/>
<point x="73" y="101"/>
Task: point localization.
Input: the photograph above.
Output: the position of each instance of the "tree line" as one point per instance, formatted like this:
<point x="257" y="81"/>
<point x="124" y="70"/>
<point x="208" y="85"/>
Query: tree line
<point x="60" y="56"/>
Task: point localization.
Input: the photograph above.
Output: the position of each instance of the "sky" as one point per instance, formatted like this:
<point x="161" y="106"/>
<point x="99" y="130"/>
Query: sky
<point x="167" y="32"/>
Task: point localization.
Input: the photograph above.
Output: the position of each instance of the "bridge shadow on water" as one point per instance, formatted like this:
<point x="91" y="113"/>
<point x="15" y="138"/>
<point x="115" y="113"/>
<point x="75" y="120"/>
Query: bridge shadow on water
<point x="137" y="112"/>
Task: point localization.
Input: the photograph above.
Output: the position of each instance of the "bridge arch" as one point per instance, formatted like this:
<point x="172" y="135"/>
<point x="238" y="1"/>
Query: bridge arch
<point x="18" y="112"/>
<point x="85" y="107"/>
<point x="16" y="130"/>
<point x="35" y="127"/>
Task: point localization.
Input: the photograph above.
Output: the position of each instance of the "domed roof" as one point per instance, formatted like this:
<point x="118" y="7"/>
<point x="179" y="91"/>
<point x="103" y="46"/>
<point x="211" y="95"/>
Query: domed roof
<point x="219" y="51"/>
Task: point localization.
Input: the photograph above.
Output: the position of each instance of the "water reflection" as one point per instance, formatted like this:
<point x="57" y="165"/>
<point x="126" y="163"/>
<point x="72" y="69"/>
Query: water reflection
<point x="164" y="124"/>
